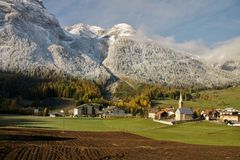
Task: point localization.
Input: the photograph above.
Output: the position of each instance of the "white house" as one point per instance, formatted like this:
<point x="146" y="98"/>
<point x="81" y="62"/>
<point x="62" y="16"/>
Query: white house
<point x="152" y="115"/>
<point x="234" y="116"/>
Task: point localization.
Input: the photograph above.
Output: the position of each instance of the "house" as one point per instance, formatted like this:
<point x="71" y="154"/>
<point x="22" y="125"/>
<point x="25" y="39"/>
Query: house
<point x="86" y="110"/>
<point x="36" y="111"/>
<point x="210" y="114"/>
<point x="233" y="116"/>
<point x="182" y="113"/>
<point x="161" y="115"/>
<point x="229" y="114"/>
<point x="170" y="111"/>
<point x="113" y="111"/>
<point x="152" y="112"/>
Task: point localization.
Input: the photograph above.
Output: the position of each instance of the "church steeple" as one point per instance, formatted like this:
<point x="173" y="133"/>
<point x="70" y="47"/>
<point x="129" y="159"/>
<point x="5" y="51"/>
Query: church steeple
<point x="180" y="103"/>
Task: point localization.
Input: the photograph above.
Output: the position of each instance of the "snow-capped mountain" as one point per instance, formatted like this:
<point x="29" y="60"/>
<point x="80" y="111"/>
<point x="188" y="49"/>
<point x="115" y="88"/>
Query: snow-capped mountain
<point x="33" y="42"/>
<point x="149" y="61"/>
<point x="85" y="30"/>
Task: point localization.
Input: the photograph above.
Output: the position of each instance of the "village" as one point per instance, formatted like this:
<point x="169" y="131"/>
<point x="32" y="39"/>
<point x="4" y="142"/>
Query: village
<point x="170" y="116"/>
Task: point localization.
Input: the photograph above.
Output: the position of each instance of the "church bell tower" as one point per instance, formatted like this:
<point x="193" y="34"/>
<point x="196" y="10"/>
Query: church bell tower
<point x="180" y="103"/>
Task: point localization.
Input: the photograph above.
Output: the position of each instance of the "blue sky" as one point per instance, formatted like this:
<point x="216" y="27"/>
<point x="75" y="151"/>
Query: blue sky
<point x="196" y="24"/>
<point x="209" y="21"/>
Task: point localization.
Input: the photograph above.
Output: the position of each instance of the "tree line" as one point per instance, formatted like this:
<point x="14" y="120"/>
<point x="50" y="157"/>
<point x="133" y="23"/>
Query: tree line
<point x="133" y="99"/>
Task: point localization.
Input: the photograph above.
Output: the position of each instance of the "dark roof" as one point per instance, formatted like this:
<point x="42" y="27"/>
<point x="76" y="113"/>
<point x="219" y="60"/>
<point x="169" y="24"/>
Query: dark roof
<point x="84" y="105"/>
<point x="89" y="105"/>
<point x="184" y="111"/>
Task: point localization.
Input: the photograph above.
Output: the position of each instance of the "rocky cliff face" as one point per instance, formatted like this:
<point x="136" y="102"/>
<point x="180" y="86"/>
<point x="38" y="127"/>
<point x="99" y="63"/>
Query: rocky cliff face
<point x="32" y="42"/>
<point x="229" y="66"/>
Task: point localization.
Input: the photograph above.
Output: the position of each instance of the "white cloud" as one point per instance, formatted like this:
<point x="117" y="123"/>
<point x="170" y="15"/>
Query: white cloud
<point x="219" y="53"/>
<point x="195" y="47"/>
<point x="225" y="51"/>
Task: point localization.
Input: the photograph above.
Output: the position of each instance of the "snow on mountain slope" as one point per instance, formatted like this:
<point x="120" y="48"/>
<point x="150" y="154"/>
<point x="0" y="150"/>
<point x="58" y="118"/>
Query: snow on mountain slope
<point x="121" y="30"/>
<point x="85" y="30"/>
<point x="32" y="42"/>
<point x="148" y="61"/>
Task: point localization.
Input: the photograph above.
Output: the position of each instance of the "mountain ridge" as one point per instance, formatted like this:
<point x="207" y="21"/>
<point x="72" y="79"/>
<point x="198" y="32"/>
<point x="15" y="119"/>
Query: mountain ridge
<point x="33" y="41"/>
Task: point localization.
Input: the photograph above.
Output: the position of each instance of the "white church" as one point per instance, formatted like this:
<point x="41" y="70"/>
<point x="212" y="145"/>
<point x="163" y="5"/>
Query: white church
<point x="183" y="114"/>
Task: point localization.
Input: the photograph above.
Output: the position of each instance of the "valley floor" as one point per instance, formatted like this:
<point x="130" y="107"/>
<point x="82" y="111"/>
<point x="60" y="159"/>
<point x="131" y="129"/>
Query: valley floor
<point x="201" y="132"/>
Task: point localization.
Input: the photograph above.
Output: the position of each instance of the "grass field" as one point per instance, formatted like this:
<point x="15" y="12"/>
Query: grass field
<point x="230" y="97"/>
<point x="194" y="133"/>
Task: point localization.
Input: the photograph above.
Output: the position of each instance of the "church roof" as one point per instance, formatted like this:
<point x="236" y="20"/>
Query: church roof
<point x="184" y="111"/>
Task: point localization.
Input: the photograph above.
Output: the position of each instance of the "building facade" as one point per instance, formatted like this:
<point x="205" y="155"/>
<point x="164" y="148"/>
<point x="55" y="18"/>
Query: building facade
<point x="87" y="110"/>
<point x="229" y="117"/>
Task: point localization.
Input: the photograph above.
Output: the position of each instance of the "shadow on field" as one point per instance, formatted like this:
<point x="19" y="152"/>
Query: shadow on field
<point x="21" y="122"/>
<point x="25" y="138"/>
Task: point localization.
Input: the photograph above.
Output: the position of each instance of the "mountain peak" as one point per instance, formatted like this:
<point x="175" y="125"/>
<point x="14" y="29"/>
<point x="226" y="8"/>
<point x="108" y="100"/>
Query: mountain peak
<point x="85" y="30"/>
<point x="122" y="30"/>
<point x="32" y="2"/>
<point x="122" y="26"/>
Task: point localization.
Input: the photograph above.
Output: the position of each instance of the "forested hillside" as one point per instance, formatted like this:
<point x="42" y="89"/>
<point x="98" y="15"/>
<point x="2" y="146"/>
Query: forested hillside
<point x="16" y="88"/>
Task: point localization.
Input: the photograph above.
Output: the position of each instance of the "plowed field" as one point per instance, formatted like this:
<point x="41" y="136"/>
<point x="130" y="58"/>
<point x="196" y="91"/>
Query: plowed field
<point x="31" y="144"/>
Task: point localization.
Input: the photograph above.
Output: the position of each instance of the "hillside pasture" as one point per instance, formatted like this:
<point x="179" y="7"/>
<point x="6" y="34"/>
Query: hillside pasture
<point x="224" y="98"/>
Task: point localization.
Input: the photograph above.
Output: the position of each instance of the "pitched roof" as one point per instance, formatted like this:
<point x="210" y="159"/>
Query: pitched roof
<point x="83" y="105"/>
<point x="160" y="112"/>
<point x="184" y="111"/>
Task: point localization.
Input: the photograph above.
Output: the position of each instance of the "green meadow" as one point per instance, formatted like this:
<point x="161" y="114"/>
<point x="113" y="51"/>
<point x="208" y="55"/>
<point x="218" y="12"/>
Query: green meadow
<point x="206" y="133"/>
<point x="218" y="99"/>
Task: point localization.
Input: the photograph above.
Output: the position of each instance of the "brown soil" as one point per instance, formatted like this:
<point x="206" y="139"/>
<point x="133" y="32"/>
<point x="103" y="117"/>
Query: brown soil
<point x="31" y="144"/>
